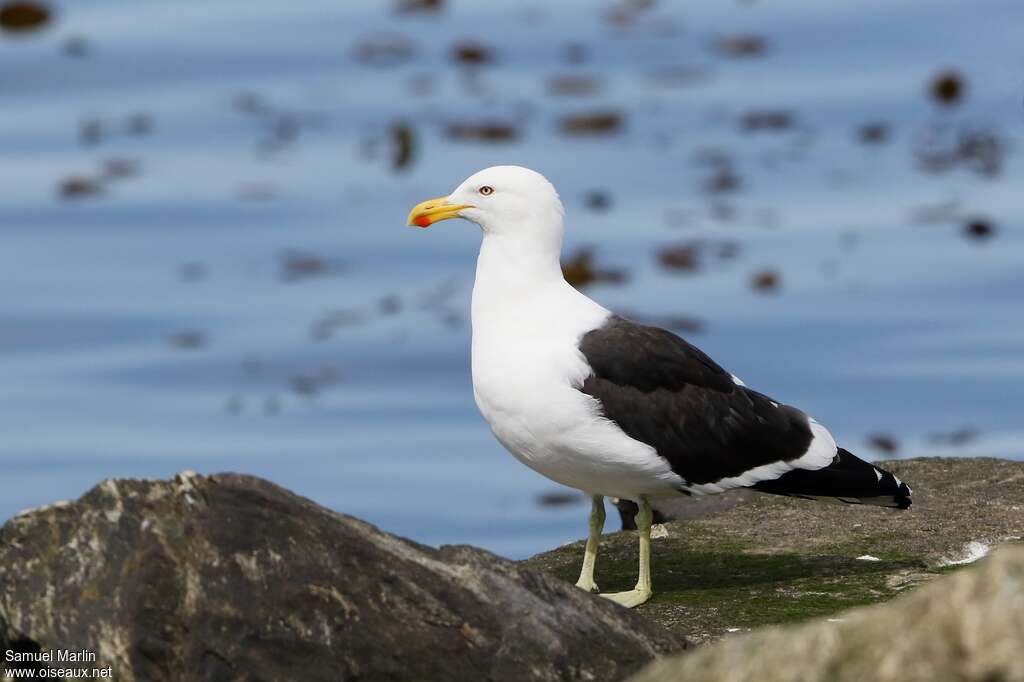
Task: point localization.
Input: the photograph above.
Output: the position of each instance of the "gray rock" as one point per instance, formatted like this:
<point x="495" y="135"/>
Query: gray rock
<point x="966" y="627"/>
<point x="230" y="577"/>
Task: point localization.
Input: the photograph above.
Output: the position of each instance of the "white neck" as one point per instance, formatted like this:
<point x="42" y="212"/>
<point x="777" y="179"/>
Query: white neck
<point x="519" y="288"/>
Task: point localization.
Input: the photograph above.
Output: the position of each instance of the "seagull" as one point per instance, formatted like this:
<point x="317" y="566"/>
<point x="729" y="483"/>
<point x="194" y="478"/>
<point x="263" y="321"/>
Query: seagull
<point x="611" y="407"/>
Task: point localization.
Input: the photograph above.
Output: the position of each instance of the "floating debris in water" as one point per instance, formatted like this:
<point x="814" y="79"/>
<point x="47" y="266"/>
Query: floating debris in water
<point x="472" y="54"/>
<point x="23" y="17"/>
<point x="119" y="168"/>
<point x="271" y="405"/>
<point x="682" y="76"/>
<point x="422" y="84"/>
<point x="722" y="180"/>
<point x="679" y="217"/>
<point x="438" y="300"/>
<point x="80" y="187"/>
<point x="765" y="281"/>
<point x="575" y="53"/>
<point x="873" y="132"/>
<point x="674" y="322"/>
<point x="940" y="212"/>
<point x="883" y="442"/>
<point x="234" y="405"/>
<point x="90" y="131"/>
<point x="767" y="120"/>
<point x="251" y="103"/>
<point x="389" y="305"/>
<point x="948" y="87"/>
<point x="192" y="272"/>
<point x="596" y="123"/>
<point x="626" y="12"/>
<point x="486" y="131"/>
<point x="559" y="498"/>
<point x="580" y="270"/>
<point x="333" y="320"/>
<point x="411" y="6"/>
<point x="688" y="257"/>
<point x="979" y="229"/>
<point x="251" y="365"/>
<point x="256" y="191"/>
<point x="958" y="438"/>
<point x="742" y="45"/>
<point x="849" y="240"/>
<point x="309" y="385"/>
<point x="284" y="130"/>
<point x="597" y="200"/>
<point x="281" y="126"/>
<point x="680" y="323"/>
<point x="403" y="146"/>
<point x="680" y="257"/>
<point x="298" y="265"/>
<point x="574" y="85"/>
<point x="722" y="212"/>
<point x="139" y="124"/>
<point x="384" y="50"/>
<point x="728" y="250"/>
<point x="75" y="46"/>
<point x="188" y="340"/>
<point x="942" y="147"/>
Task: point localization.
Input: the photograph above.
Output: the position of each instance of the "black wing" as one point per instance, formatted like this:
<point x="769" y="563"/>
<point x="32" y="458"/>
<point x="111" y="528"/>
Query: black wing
<point x="663" y="391"/>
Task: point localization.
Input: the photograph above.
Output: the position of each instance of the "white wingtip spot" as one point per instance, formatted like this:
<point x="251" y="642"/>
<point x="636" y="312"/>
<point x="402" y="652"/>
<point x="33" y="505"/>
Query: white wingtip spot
<point x="867" y="557"/>
<point x="736" y="380"/>
<point x="878" y="473"/>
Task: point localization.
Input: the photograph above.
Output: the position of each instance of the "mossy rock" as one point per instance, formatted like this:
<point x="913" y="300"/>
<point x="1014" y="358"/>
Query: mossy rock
<point x="768" y="560"/>
<point x="966" y="627"/>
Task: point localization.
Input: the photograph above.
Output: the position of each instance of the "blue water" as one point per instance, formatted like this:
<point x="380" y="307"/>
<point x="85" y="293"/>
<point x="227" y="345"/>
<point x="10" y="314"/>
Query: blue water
<point x="881" y="324"/>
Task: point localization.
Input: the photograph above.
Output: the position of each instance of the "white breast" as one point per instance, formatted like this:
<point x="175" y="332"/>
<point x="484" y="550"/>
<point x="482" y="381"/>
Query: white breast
<point x="526" y="372"/>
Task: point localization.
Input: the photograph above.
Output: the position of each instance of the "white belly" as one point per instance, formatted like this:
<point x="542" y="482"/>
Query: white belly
<point x="529" y="401"/>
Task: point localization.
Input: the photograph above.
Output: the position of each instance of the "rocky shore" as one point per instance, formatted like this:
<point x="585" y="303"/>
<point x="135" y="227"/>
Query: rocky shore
<point x="229" y="577"/>
<point x="743" y="560"/>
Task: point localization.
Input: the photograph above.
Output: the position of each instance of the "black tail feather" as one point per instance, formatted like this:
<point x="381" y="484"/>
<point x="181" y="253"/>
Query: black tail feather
<point x="847" y="479"/>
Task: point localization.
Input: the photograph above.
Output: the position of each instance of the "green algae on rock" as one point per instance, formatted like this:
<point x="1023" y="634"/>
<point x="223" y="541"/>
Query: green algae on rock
<point x="762" y="560"/>
<point x="966" y="627"/>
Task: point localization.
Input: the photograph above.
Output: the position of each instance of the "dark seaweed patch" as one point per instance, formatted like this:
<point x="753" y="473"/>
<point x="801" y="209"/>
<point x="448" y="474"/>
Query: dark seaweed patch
<point x="741" y="45"/>
<point x="23" y="17"/>
<point x="765" y="281"/>
<point x="483" y="131"/>
<point x="979" y="229"/>
<point x="581" y="270"/>
<point x="883" y="442"/>
<point x="403" y="146"/>
<point x="595" y="123"/>
<point x="80" y="187"/>
<point x="948" y="87"/>
<point x="188" y="340"/>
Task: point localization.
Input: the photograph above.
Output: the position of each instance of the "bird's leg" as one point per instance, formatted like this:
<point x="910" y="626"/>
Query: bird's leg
<point x="586" y="581"/>
<point x="642" y="592"/>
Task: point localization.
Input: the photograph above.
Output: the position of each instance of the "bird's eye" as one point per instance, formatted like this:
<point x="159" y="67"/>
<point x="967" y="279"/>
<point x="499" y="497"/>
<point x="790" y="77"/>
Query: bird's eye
<point x="486" y="190"/>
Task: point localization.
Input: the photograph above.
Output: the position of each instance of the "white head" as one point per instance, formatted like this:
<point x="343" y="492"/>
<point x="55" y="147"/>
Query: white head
<point x="510" y="201"/>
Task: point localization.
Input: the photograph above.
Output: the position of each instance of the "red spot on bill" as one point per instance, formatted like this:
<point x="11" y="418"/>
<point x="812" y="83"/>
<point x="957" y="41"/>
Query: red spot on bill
<point x="423" y="221"/>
